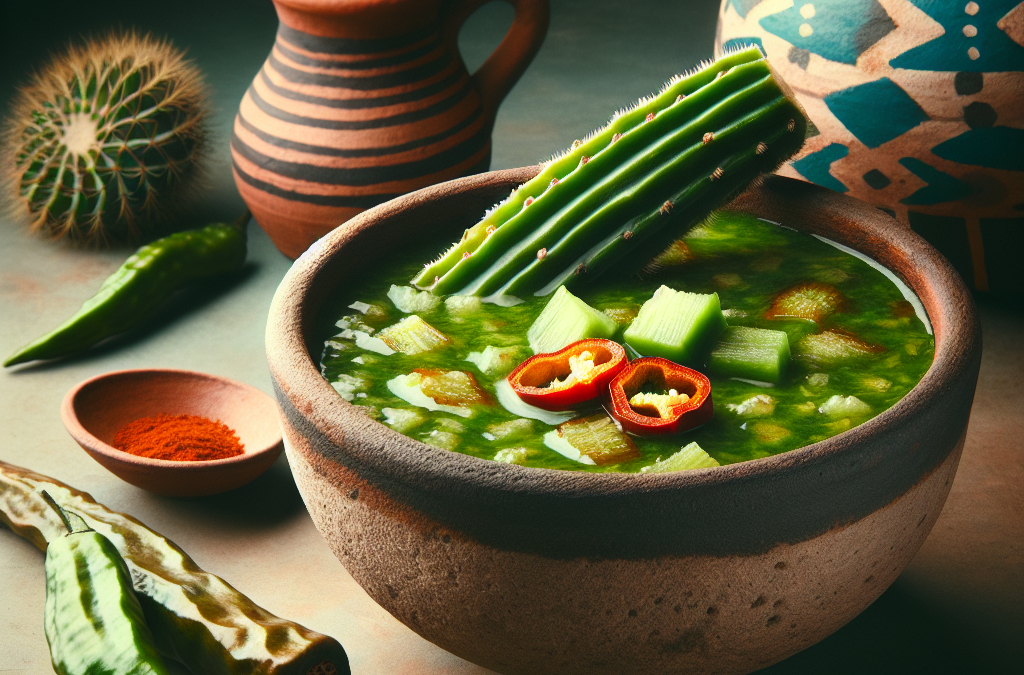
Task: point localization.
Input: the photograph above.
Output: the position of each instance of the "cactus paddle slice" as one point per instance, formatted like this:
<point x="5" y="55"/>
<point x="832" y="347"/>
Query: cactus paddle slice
<point x="622" y="194"/>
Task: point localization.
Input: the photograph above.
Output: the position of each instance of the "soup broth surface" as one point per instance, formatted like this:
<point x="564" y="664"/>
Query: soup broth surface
<point x="747" y="261"/>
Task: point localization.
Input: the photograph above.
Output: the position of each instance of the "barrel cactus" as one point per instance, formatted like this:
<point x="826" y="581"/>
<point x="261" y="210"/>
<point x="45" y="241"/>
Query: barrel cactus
<point x="105" y="139"/>
<point x="627" y="190"/>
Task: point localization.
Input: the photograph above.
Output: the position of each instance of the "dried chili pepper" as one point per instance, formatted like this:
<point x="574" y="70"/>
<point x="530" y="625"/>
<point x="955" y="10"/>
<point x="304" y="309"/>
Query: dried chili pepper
<point x="575" y="374"/>
<point x="682" y="400"/>
<point x="147" y="278"/>
<point x="195" y="616"/>
<point x="93" y="620"/>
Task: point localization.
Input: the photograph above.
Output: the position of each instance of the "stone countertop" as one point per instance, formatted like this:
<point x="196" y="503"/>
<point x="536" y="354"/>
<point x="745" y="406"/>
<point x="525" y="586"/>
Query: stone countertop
<point x="959" y="606"/>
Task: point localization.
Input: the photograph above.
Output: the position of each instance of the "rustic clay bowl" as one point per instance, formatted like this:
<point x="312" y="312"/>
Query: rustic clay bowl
<point x="95" y="410"/>
<point x="524" y="570"/>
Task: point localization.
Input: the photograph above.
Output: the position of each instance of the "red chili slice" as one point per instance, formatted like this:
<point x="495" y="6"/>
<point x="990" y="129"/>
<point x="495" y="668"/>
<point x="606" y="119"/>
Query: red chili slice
<point x="665" y="416"/>
<point x="534" y="380"/>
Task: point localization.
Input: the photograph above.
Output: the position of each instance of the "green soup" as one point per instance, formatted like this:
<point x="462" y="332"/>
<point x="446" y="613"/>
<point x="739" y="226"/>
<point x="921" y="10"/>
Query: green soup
<point x="884" y="348"/>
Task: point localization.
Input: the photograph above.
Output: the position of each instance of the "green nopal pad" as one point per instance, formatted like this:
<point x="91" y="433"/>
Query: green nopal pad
<point x="691" y="456"/>
<point x="565" y="320"/>
<point x="753" y="353"/>
<point x="621" y="195"/>
<point x="676" y="325"/>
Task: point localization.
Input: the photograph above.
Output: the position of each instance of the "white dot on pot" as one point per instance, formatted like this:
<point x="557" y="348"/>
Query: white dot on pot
<point x="806" y="30"/>
<point x="972" y="8"/>
<point x="973" y="53"/>
<point x="970" y="31"/>
<point x="807" y="11"/>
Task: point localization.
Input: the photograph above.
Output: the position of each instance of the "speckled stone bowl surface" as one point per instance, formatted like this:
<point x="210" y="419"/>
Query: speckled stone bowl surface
<point x="525" y="570"/>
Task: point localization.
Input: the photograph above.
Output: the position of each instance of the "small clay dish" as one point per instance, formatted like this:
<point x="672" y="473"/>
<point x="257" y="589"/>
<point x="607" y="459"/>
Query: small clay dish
<point x="96" y="409"/>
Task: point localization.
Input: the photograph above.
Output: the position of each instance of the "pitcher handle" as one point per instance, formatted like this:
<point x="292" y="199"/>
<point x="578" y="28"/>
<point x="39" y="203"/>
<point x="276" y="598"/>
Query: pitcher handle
<point x="506" y="64"/>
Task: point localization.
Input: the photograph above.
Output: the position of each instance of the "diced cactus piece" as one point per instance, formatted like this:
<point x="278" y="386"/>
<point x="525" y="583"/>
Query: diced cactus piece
<point x="441" y="439"/>
<point x="409" y="300"/>
<point x="496" y="361"/>
<point x="373" y="313"/>
<point x="592" y="440"/>
<point x="510" y="429"/>
<point x="766" y="432"/>
<point x="761" y="405"/>
<point x="413" y="335"/>
<point x="753" y="353"/>
<point x="451" y="387"/>
<point x="566" y="319"/>
<point x="834" y="346"/>
<point x="876" y="383"/>
<point x="454" y="393"/>
<point x="517" y="455"/>
<point x="461" y="305"/>
<point x="811" y="302"/>
<point x="448" y="424"/>
<point x="842" y="406"/>
<point x="691" y="456"/>
<point x="348" y="385"/>
<point x="676" y="325"/>
<point x="629" y="189"/>
<point x="818" y="380"/>
<point x="402" y="419"/>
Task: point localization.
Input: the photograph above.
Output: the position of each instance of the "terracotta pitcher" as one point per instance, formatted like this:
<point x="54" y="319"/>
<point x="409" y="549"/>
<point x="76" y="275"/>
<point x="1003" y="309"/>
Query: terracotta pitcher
<point x="363" y="100"/>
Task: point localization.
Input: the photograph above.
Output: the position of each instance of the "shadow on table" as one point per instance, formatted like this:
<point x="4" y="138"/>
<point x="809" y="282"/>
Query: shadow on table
<point x="898" y="635"/>
<point x="268" y="501"/>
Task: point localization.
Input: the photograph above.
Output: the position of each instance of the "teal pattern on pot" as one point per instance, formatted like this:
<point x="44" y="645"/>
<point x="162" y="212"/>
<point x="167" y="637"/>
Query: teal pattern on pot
<point x="917" y="104"/>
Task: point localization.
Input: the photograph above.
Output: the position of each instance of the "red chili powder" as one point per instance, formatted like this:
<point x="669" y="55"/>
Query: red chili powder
<point x="182" y="438"/>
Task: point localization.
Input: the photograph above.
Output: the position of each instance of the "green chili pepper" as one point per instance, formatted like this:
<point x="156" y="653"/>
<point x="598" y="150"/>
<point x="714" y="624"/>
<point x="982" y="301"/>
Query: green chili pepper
<point x="93" y="621"/>
<point x="196" y="617"/>
<point x="145" y="280"/>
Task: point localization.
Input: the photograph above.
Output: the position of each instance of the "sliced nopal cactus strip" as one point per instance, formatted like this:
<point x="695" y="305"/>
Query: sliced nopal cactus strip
<point x="651" y="171"/>
<point x="556" y="193"/>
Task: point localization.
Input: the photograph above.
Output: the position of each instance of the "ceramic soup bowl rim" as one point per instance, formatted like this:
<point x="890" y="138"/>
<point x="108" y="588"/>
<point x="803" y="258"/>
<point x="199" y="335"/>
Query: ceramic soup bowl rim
<point x="427" y="477"/>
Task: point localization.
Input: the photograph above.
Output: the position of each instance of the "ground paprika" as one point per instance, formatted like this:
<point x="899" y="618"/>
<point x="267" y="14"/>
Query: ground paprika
<point x="181" y="438"/>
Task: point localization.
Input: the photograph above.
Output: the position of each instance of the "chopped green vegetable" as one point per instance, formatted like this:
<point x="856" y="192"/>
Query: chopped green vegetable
<point x="565" y="320"/>
<point x="761" y="405"/>
<point x="495" y="361"/>
<point x="592" y="440"/>
<point x="512" y="428"/>
<point x="441" y="439"/>
<point x="413" y="335"/>
<point x="514" y="455"/>
<point x="348" y="385"/>
<point x="676" y="325"/>
<point x="841" y="406"/>
<point x="833" y="346"/>
<point x="753" y="353"/>
<point x="811" y="302"/>
<point x="410" y="300"/>
<point x="691" y="456"/>
<point x="463" y="304"/>
<point x="409" y="389"/>
<point x="766" y="432"/>
<point x="402" y="419"/>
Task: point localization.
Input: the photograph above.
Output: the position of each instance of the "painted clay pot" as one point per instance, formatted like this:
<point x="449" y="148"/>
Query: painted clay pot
<point x="364" y="100"/>
<point x="920" y="109"/>
<point x="536" y="571"/>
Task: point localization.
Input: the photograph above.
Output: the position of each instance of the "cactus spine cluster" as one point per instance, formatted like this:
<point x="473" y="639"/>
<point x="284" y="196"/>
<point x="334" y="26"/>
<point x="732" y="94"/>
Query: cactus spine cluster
<point x="105" y="138"/>
<point x="632" y="186"/>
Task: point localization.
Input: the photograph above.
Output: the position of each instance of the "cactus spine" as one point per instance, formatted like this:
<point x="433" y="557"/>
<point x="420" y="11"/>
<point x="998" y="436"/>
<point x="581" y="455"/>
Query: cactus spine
<point x="625" y="191"/>
<point x="105" y="138"/>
